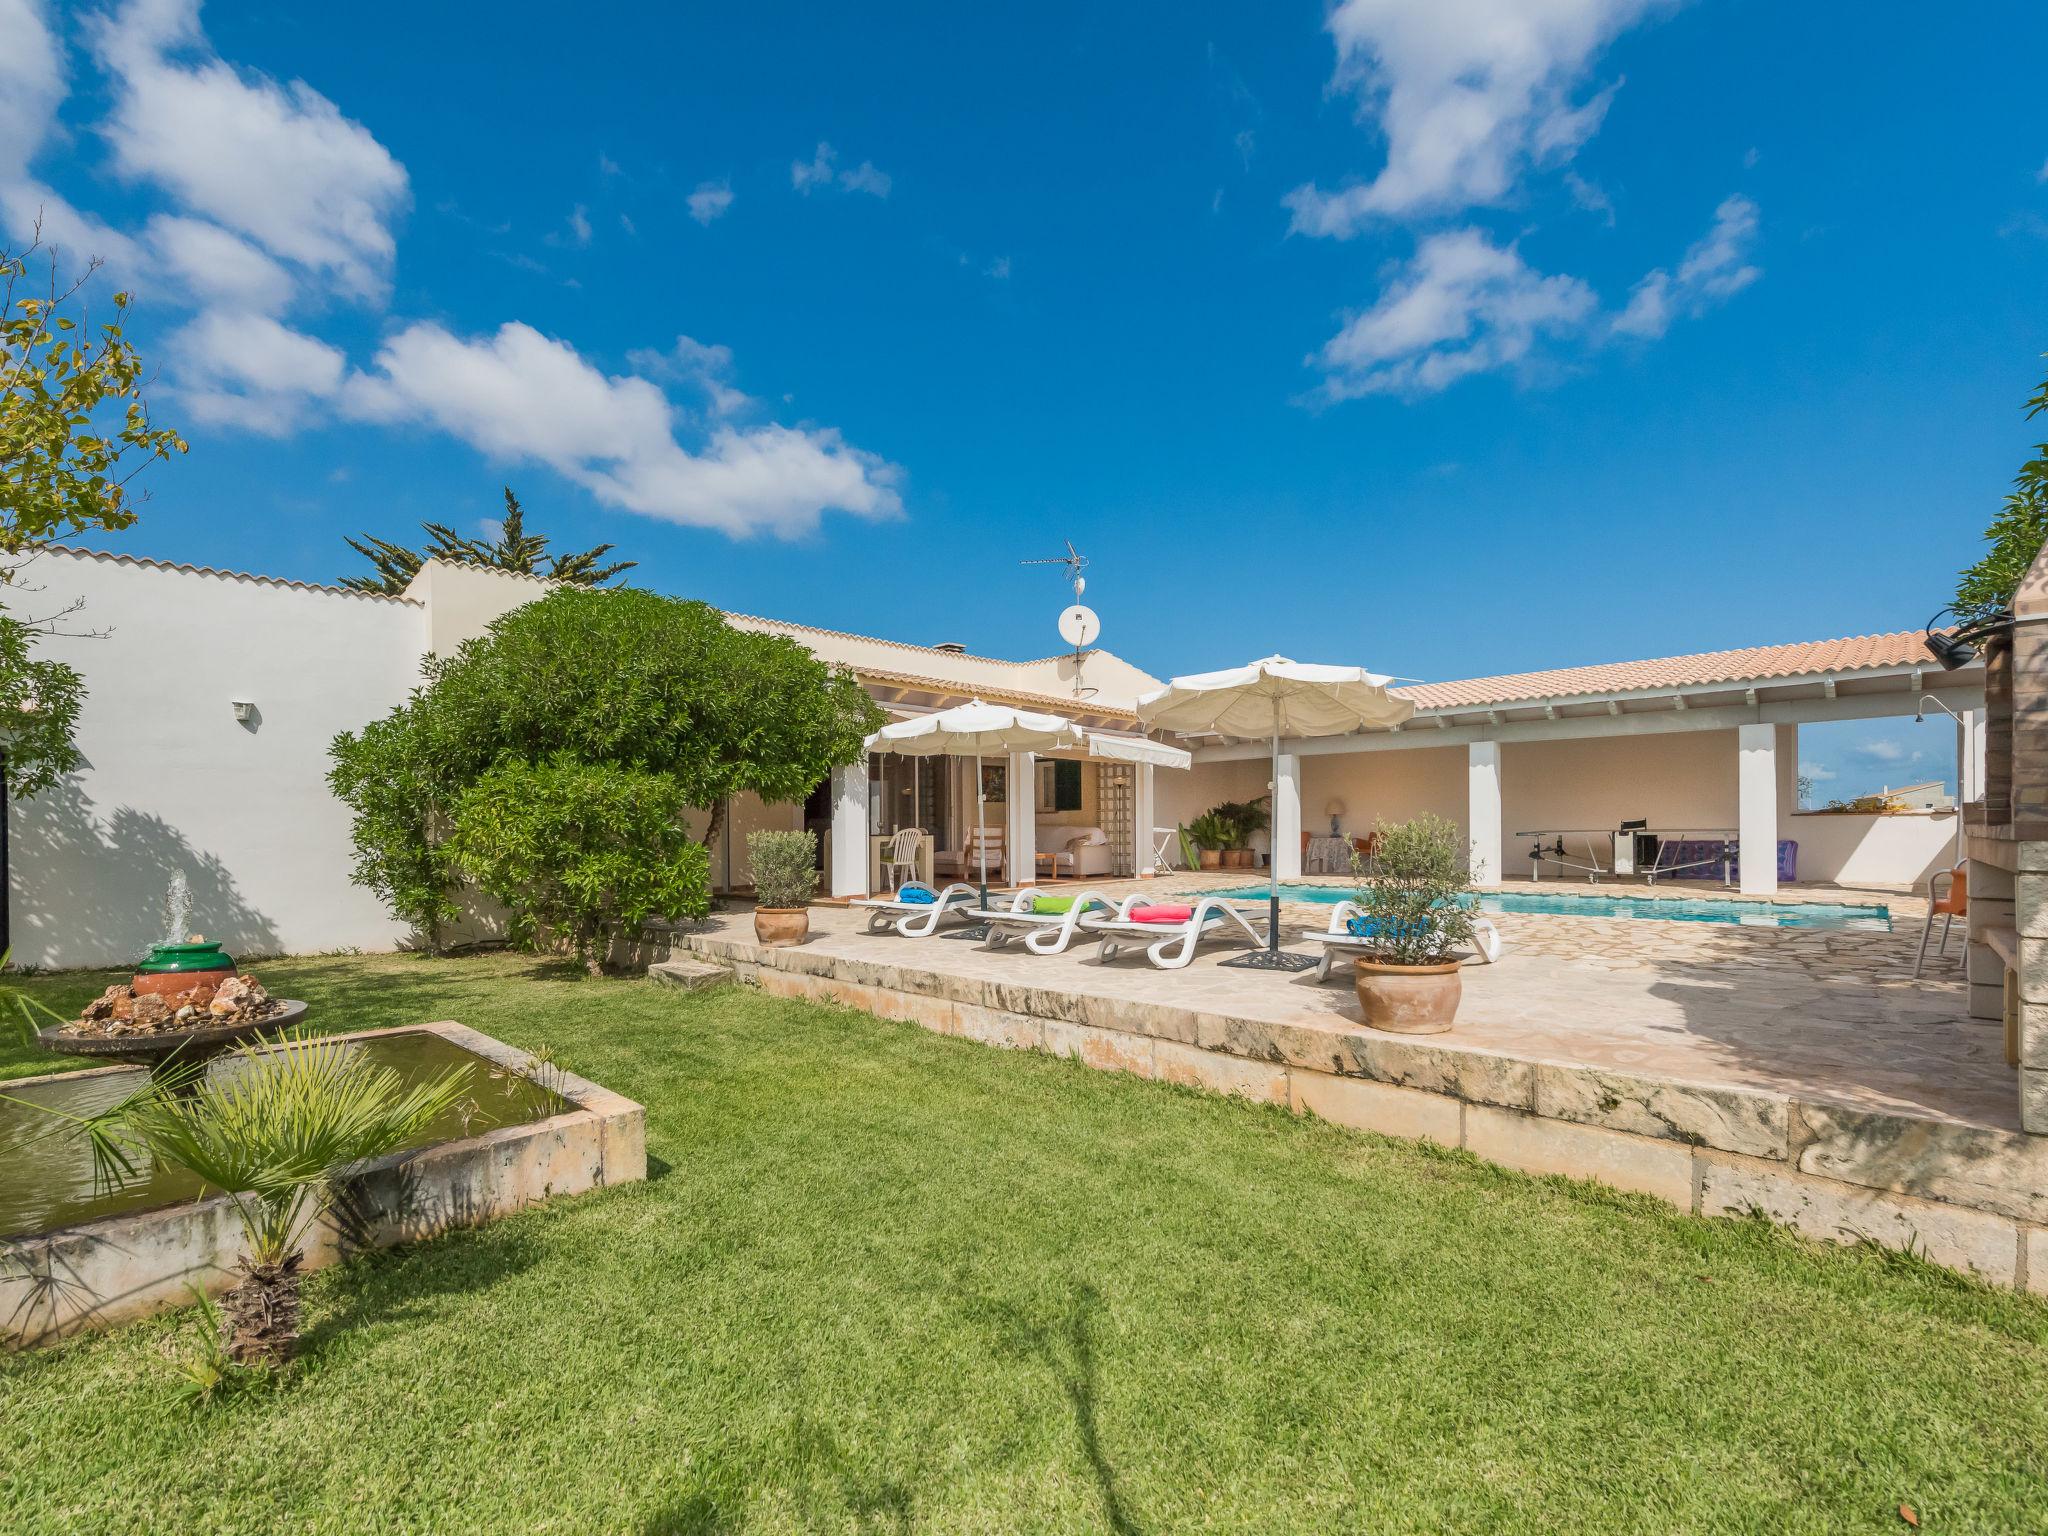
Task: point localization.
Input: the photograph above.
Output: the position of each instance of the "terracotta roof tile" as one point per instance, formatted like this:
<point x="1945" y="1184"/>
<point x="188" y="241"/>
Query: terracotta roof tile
<point x="108" y="557"/>
<point x="1810" y="658"/>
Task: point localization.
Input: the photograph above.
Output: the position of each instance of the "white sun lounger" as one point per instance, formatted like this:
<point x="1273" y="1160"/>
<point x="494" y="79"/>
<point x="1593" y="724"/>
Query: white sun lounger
<point x="915" y="919"/>
<point x="1170" y="946"/>
<point x="1044" y="933"/>
<point x="1338" y="940"/>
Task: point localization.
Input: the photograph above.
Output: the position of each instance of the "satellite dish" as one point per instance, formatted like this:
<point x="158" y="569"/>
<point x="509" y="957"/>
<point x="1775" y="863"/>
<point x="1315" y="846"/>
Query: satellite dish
<point x="1079" y="626"/>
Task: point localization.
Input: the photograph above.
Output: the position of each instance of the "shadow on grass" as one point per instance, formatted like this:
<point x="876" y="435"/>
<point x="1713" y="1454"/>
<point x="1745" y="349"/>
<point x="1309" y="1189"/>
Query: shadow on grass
<point x="398" y="1285"/>
<point x="1068" y="1351"/>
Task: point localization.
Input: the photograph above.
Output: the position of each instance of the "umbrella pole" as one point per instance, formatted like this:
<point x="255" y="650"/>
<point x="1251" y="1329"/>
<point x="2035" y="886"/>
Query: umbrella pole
<point x="981" y="830"/>
<point x="1273" y="845"/>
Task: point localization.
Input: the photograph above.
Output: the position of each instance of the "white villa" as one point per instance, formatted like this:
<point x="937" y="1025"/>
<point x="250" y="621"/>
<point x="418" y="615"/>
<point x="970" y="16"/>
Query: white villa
<point x="214" y="698"/>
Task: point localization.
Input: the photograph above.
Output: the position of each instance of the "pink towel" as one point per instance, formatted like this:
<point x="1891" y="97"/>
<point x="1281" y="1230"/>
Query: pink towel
<point x="1161" y="914"/>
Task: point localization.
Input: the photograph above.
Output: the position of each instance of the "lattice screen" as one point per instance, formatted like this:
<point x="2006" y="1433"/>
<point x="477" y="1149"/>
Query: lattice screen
<point x="1119" y="790"/>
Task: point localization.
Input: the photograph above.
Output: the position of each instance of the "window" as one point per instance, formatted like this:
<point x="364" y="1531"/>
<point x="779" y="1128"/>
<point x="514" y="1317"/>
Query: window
<point x="1059" y="787"/>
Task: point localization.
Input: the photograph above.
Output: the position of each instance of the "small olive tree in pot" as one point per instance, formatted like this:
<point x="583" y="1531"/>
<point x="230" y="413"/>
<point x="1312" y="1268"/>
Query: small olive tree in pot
<point x="785" y="866"/>
<point x="1414" y="910"/>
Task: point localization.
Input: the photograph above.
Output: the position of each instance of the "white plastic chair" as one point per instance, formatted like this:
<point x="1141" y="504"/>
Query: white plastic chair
<point x="1169" y="946"/>
<point x="899" y="860"/>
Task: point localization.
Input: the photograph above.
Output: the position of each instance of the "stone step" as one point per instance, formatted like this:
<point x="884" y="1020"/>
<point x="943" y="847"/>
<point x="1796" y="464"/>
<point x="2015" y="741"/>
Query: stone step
<point x="692" y="975"/>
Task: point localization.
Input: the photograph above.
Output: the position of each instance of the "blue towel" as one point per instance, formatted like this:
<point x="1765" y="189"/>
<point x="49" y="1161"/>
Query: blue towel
<point x="917" y="895"/>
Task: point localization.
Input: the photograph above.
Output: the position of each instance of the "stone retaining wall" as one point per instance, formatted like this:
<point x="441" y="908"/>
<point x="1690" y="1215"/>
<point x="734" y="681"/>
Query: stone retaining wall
<point x="1973" y="1198"/>
<point x="104" y="1272"/>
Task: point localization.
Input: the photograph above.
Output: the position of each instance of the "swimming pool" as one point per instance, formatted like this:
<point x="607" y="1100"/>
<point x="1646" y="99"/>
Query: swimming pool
<point x="1664" y="909"/>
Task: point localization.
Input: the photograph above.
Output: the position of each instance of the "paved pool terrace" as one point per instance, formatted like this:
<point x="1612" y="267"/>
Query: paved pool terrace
<point x="1800" y="1071"/>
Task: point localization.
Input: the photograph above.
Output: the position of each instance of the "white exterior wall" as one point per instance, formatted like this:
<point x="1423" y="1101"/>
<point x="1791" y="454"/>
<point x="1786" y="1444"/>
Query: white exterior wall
<point x="173" y="782"/>
<point x="1873" y="850"/>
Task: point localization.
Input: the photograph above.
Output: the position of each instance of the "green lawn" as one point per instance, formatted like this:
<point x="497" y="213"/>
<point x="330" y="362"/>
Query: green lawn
<point x="881" y="1280"/>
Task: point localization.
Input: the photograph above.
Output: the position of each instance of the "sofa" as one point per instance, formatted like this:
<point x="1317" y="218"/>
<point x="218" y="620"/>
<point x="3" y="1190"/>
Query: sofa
<point x="1078" y="852"/>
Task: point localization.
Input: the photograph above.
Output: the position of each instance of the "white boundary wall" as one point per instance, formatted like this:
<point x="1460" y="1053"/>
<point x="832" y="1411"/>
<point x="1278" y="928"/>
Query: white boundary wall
<point x="174" y="782"/>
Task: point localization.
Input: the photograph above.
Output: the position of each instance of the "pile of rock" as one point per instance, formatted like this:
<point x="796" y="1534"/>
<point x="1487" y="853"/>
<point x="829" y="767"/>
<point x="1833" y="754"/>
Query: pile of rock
<point x="215" y="1000"/>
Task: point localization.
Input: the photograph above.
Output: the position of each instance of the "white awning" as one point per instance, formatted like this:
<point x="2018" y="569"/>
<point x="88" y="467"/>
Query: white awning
<point x="1137" y="749"/>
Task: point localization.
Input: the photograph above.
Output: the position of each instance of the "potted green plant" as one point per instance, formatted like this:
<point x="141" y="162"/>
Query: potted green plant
<point x="785" y="866"/>
<point x="1415" y="909"/>
<point x="1245" y="817"/>
<point x="1211" y="834"/>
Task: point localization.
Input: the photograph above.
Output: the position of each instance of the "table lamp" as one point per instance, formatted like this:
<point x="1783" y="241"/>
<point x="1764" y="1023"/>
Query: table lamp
<point x="1335" y="811"/>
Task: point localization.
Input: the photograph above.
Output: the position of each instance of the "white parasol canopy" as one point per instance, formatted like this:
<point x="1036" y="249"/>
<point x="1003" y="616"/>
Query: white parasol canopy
<point x="978" y="730"/>
<point x="1275" y="697"/>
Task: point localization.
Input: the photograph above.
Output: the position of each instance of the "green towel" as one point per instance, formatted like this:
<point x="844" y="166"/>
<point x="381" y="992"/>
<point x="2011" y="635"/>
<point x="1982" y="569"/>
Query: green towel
<point x="1052" y="904"/>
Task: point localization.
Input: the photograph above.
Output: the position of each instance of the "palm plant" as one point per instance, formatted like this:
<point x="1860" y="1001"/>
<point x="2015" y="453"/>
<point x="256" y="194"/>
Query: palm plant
<point x="514" y="549"/>
<point x="277" y="1133"/>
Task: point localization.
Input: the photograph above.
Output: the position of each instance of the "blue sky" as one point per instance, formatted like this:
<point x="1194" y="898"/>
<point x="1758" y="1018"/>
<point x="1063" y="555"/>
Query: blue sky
<point x="1446" y="336"/>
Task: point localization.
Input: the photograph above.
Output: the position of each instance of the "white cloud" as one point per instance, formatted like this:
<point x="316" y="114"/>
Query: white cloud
<point x="277" y="163"/>
<point x="1467" y="93"/>
<point x="250" y="371"/>
<point x="821" y="171"/>
<point x="1462" y="305"/>
<point x="865" y="178"/>
<point x="1716" y="267"/>
<point x="579" y="229"/>
<point x="710" y="201"/>
<point x="218" y="267"/>
<point x="1882" y="751"/>
<point x="706" y="366"/>
<point x="804" y="175"/>
<point x="999" y="268"/>
<point x="32" y="87"/>
<point x="1820" y="773"/>
<point x="519" y="395"/>
<point x="31" y="84"/>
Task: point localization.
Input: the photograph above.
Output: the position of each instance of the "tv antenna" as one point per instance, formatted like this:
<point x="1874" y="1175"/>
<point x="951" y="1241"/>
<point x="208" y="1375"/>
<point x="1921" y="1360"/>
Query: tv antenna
<point x="1079" y="626"/>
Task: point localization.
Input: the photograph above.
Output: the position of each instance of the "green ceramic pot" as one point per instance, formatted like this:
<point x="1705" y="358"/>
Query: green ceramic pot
<point x="172" y="967"/>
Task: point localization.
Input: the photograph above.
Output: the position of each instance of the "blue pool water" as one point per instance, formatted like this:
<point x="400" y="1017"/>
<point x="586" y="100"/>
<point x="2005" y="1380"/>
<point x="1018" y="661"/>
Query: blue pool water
<point x="1671" y="909"/>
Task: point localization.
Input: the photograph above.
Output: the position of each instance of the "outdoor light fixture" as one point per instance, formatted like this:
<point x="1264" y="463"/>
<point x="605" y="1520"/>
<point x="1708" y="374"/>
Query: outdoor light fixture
<point x="1958" y="647"/>
<point x="244" y="710"/>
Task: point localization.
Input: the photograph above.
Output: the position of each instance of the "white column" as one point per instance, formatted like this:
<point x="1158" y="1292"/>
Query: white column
<point x="1286" y="854"/>
<point x="1143" y="809"/>
<point x="1482" y="815"/>
<point x="1756" y="819"/>
<point x="850" y="829"/>
<point x="1020" y="837"/>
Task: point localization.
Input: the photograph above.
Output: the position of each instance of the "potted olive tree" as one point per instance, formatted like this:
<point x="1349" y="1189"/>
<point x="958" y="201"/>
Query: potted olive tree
<point x="785" y="868"/>
<point x="1415" y="911"/>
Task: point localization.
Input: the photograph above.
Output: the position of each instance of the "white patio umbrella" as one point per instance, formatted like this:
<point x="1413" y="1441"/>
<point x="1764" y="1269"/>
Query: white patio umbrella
<point x="977" y="730"/>
<point x="1275" y="698"/>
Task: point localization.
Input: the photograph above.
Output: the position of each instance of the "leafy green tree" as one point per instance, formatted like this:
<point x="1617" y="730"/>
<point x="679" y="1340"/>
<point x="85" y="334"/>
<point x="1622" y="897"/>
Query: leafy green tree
<point x="586" y="851"/>
<point x="514" y="549"/>
<point x="39" y="702"/>
<point x="64" y="469"/>
<point x="2016" y="535"/>
<point x="609" y="677"/>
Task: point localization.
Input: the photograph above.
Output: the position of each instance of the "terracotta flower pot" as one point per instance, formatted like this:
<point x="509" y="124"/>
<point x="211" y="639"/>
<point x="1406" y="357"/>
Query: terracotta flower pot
<point x="1212" y="858"/>
<point x="775" y="926"/>
<point x="1409" y="999"/>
